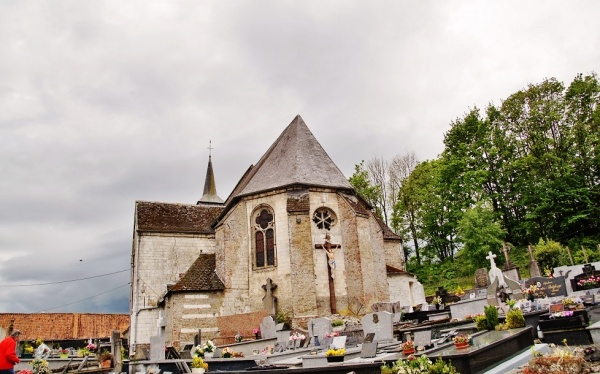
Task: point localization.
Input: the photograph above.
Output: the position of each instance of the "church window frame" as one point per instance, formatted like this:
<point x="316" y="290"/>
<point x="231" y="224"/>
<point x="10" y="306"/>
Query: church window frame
<point x="324" y="218"/>
<point x="263" y="238"/>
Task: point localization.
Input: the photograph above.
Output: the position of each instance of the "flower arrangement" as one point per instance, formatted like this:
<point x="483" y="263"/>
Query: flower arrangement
<point x="64" y="351"/>
<point x="209" y="346"/>
<point x="238" y="337"/>
<point x="91" y="347"/>
<point x="27" y="348"/>
<point x="227" y="352"/>
<point x="197" y="351"/>
<point x="473" y="316"/>
<point x="105" y="356"/>
<point x="332" y="334"/>
<point x="297" y="336"/>
<point x="198" y="363"/>
<point x="590" y="282"/>
<point x="436" y="300"/>
<point x="564" y="313"/>
<point x="418" y="365"/>
<point x="533" y="291"/>
<point x="409" y="344"/>
<point x="335" y="352"/>
<point x="461" y="339"/>
<point x="40" y="366"/>
<point x="567" y="301"/>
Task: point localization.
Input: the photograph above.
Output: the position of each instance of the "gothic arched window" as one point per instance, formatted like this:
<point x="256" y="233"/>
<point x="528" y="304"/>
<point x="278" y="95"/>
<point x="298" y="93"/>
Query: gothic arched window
<point x="264" y="237"/>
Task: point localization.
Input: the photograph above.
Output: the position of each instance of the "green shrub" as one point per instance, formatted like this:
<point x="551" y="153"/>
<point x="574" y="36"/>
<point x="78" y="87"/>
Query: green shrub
<point x="491" y="315"/>
<point x="515" y="319"/>
<point x="481" y="323"/>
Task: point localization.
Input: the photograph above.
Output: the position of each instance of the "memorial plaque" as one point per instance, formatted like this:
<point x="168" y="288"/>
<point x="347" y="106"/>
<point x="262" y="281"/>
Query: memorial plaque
<point x="422" y="338"/>
<point x="481" y="277"/>
<point x="551" y="286"/>
<point x="368" y="350"/>
<point x="558" y="307"/>
<point x="338" y="342"/>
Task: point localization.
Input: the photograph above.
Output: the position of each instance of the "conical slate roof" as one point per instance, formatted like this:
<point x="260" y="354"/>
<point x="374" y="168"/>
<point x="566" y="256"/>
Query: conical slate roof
<point x="210" y="187"/>
<point x="296" y="157"/>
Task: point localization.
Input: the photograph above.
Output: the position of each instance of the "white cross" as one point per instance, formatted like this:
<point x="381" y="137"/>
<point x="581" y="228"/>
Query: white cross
<point x="491" y="257"/>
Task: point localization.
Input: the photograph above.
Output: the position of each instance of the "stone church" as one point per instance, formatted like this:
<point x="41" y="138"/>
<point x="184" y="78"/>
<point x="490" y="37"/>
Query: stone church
<point x="293" y="237"/>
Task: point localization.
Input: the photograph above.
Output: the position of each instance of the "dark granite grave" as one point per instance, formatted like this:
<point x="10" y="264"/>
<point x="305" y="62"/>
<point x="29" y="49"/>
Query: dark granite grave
<point x="551" y="286"/>
<point x="573" y="328"/>
<point x="488" y="349"/>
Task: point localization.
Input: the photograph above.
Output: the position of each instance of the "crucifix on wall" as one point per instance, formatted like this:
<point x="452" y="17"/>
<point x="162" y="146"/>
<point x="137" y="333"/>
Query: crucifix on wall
<point x="330" y="250"/>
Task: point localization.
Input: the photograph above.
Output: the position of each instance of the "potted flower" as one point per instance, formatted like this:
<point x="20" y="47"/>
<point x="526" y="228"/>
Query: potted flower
<point x="256" y="331"/>
<point x="40" y="366"/>
<point x="197" y="351"/>
<point x="227" y="352"/>
<point x="198" y="365"/>
<point x="408" y="347"/>
<point x="64" y="353"/>
<point x="335" y="355"/>
<point x="209" y="349"/>
<point x="461" y="341"/>
<point x="105" y="359"/>
<point x="297" y="338"/>
<point x="437" y="301"/>
<point x="27" y="350"/>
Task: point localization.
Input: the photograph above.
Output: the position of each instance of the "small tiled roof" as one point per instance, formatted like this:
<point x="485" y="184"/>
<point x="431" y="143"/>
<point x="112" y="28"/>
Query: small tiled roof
<point x="201" y="276"/>
<point x="65" y="326"/>
<point x="388" y="234"/>
<point x="296" y="158"/>
<point x="168" y="217"/>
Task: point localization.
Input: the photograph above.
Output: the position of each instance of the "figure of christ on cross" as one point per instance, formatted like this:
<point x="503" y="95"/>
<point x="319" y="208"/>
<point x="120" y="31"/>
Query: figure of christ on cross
<point x="330" y="251"/>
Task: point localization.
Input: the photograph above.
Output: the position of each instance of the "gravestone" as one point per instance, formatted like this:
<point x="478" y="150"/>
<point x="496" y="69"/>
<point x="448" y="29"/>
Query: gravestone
<point x="494" y="272"/>
<point x="382" y="307"/>
<point x="515" y="287"/>
<point x="481" y="278"/>
<point x="319" y="327"/>
<point x="369" y="347"/>
<point x="551" y="286"/>
<point x="267" y="328"/>
<point x="381" y="324"/>
<point x="492" y="299"/>
<point x="418" y="293"/>
<point x="269" y="300"/>
<point x="157" y="348"/>
<point x="422" y="338"/>
<point x="338" y="342"/>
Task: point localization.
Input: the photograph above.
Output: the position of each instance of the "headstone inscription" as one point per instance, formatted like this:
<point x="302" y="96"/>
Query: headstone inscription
<point x="381" y="324"/>
<point x="267" y="328"/>
<point x="550" y="286"/>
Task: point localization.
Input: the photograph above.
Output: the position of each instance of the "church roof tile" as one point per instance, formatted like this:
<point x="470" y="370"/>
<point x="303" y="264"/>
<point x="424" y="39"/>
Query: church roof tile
<point x="167" y="217"/>
<point x="201" y="276"/>
<point x="296" y="158"/>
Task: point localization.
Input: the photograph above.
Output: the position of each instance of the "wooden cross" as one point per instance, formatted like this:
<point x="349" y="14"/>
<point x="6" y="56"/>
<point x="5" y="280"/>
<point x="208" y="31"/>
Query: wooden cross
<point x="330" y="250"/>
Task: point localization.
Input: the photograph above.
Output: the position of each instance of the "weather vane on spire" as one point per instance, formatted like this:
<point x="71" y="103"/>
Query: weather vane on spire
<point x="210" y="148"/>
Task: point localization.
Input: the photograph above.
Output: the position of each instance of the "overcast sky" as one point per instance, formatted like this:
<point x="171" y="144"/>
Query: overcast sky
<point x="103" y="103"/>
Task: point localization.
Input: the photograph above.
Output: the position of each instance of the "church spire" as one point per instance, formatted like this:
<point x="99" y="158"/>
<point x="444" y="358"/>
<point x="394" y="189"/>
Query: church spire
<point x="210" y="187"/>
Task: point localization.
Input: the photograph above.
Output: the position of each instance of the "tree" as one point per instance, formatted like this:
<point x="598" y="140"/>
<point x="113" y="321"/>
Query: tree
<point x="361" y="182"/>
<point x="480" y="232"/>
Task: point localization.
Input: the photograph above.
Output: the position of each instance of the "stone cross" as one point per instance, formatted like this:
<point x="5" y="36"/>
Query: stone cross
<point x="330" y="250"/>
<point x="491" y="257"/>
<point x="530" y="248"/>
<point x="269" y="300"/>
<point x="506" y="249"/>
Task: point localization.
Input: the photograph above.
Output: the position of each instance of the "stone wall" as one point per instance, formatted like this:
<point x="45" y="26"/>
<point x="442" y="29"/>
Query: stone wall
<point x="189" y="312"/>
<point x="159" y="259"/>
